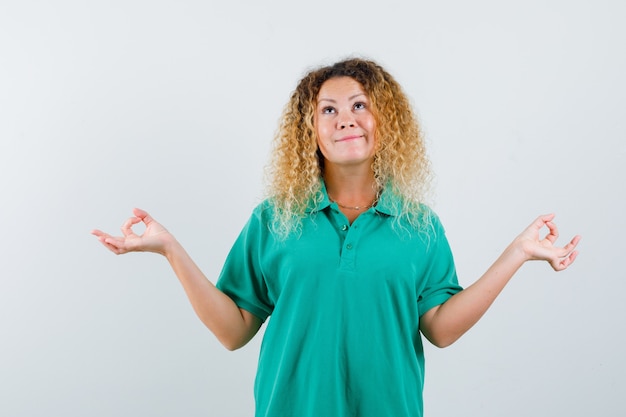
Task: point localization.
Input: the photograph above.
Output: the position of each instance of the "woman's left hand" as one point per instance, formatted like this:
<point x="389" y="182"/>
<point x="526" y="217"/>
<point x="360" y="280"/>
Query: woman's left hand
<point x="544" y="249"/>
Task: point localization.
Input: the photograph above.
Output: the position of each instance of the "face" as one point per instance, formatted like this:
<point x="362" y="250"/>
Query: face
<point x="344" y="123"/>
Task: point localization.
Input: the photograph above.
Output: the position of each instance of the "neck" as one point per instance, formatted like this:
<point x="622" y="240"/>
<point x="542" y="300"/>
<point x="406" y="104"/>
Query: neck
<point x="355" y="208"/>
<point x="352" y="192"/>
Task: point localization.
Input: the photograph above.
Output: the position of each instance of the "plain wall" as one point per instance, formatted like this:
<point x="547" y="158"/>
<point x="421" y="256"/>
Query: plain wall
<point x="171" y="106"/>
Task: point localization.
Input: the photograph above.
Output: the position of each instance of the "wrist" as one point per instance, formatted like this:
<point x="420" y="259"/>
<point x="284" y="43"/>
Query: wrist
<point x="517" y="252"/>
<point x="170" y="246"/>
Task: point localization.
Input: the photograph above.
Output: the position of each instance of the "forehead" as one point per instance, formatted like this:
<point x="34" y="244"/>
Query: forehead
<point x="340" y="87"/>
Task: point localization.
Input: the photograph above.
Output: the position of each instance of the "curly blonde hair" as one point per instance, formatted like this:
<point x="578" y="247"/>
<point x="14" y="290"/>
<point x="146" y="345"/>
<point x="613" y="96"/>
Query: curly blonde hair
<point x="296" y="168"/>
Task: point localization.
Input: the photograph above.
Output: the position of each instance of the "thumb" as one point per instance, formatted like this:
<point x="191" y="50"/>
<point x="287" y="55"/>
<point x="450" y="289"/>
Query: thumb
<point x="143" y="215"/>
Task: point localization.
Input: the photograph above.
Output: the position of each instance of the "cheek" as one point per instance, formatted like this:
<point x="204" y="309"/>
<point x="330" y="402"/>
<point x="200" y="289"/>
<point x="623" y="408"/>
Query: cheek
<point x="371" y="124"/>
<point x="367" y="122"/>
<point x="319" y="138"/>
<point x="323" y="133"/>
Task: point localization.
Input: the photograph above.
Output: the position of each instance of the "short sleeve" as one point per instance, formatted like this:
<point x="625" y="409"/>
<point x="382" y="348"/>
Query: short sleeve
<point x="241" y="277"/>
<point x="441" y="278"/>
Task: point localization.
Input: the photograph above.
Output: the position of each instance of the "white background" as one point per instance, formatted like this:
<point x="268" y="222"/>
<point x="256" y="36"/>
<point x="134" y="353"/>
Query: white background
<point x="171" y="106"/>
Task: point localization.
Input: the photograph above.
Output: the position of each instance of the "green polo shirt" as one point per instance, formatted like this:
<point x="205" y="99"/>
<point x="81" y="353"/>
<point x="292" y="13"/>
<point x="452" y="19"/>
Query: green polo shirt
<point x="345" y="300"/>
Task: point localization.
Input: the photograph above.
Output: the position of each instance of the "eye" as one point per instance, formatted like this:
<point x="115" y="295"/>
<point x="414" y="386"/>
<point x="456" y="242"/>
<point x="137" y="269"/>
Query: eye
<point x="359" y="105"/>
<point x="328" y="110"/>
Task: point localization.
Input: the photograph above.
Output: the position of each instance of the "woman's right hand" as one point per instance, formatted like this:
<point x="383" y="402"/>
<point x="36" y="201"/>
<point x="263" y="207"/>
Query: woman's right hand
<point x="154" y="239"/>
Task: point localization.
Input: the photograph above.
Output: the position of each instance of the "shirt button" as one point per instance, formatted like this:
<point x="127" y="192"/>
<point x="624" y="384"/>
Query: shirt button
<point x="349" y="246"/>
<point x="344" y="227"/>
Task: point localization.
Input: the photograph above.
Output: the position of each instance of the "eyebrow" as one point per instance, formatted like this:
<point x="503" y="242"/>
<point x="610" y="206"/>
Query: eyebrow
<point x="349" y="98"/>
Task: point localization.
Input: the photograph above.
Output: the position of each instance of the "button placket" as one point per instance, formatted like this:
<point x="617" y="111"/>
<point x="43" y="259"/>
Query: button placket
<point x="348" y="253"/>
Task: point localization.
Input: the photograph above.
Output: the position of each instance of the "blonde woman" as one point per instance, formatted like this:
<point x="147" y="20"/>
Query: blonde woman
<point x="344" y="255"/>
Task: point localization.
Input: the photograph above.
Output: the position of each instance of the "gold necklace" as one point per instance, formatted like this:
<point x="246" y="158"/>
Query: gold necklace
<point x="332" y="200"/>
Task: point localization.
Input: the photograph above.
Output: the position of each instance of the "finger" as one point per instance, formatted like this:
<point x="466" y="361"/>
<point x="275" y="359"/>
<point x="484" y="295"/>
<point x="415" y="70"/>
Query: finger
<point x="563" y="263"/>
<point x="112" y="244"/>
<point x="567" y="254"/>
<point x="572" y="244"/>
<point x="102" y="236"/>
<point x="143" y="215"/>
<point x="139" y="212"/>
<point x="119" y="245"/>
<point x="127" y="227"/>
<point x="546" y="218"/>
<point x="569" y="248"/>
<point x="553" y="232"/>
<point x="540" y="222"/>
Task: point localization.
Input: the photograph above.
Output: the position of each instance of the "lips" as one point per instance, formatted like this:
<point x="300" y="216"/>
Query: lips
<point x="347" y="138"/>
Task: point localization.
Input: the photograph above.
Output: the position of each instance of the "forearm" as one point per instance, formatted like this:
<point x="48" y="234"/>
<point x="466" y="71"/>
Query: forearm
<point x="232" y="327"/>
<point x="449" y="321"/>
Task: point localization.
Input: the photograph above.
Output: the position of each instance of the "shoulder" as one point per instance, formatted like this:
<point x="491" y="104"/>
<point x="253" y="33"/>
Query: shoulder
<point x="263" y="212"/>
<point x="420" y="222"/>
<point x="414" y="216"/>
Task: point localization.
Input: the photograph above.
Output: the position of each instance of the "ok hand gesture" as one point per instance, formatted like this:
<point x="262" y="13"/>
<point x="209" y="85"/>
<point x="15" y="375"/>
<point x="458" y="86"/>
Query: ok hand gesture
<point x="154" y="239"/>
<point x="537" y="248"/>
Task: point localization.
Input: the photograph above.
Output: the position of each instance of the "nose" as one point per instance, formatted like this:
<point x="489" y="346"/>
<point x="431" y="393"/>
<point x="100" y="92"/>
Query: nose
<point x="345" y="119"/>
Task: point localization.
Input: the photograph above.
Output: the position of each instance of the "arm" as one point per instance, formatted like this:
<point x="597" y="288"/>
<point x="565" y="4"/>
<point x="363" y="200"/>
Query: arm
<point x="444" y="324"/>
<point x="233" y="326"/>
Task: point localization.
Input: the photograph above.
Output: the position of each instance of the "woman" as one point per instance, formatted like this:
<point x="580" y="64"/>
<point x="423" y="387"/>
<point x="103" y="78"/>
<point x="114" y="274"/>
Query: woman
<point x="344" y="255"/>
